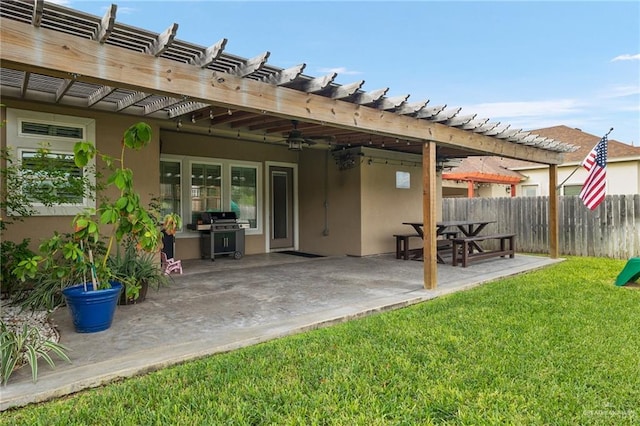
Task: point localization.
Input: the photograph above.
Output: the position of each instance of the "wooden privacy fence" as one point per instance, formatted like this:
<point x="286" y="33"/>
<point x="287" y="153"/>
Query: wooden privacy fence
<point x="611" y="230"/>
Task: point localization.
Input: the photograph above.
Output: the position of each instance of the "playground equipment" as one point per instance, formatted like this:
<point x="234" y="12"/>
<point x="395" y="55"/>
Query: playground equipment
<point x="630" y="272"/>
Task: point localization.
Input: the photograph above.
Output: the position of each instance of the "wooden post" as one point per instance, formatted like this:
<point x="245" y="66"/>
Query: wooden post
<point x="554" y="239"/>
<point x="470" y="189"/>
<point x="429" y="215"/>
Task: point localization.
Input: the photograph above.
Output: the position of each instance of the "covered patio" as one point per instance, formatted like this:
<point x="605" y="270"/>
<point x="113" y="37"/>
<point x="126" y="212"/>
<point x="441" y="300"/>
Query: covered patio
<point x="220" y="306"/>
<point x="59" y="59"/>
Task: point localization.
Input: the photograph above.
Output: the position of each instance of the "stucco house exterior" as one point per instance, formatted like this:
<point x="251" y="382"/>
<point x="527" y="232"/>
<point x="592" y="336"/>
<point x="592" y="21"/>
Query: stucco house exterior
<point x="491" y="176"/>
<point x="310" y="165"/>
<point x="623" y="165"/>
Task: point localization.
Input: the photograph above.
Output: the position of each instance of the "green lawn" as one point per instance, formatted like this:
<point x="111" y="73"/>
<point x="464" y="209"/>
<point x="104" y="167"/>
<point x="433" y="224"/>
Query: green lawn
<point x="556" y="346"/>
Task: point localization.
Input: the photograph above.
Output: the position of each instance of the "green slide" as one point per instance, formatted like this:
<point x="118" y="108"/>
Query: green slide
<point x="630" y="272"/>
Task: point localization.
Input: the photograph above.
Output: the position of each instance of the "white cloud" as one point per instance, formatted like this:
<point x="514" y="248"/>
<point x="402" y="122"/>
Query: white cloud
<point x="526" y="109"/>
<point x="627" y="57"/>
<point x="126" y="10"/>
<point x="621" y="91"/>
<point x="339" y="70"/>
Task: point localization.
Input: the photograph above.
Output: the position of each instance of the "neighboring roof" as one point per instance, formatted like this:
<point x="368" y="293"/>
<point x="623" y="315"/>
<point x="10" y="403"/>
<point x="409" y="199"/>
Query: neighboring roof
<point x="585" y="143"/>
<point x="484" y="169"/>
<point x="81" y="91"/>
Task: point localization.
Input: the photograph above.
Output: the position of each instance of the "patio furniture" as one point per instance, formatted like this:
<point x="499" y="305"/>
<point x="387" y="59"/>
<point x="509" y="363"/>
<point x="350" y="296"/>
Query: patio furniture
<point x="402" y="245"/>
<point x="170" y="265"/>
<point x="464" y="247"/>
<point x="469" y="228"/>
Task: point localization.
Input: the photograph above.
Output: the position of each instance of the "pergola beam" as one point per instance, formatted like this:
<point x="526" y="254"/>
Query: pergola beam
<point x="39" y="49"/>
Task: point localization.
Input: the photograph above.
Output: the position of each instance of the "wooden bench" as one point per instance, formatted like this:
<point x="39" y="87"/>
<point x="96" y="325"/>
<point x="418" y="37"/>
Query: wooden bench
<point x="402" y="245"/>
<point x="463" y="247"/>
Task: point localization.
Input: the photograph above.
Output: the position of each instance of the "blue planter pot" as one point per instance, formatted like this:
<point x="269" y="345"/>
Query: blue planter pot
<point x="92" y="310"/>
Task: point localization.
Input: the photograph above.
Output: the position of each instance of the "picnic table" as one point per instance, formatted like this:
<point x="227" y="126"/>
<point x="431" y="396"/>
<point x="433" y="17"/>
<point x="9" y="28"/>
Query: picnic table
<point x="468" y="228"/>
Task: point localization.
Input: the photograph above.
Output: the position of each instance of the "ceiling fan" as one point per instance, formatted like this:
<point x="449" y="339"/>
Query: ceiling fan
<point x="295" y="138"/>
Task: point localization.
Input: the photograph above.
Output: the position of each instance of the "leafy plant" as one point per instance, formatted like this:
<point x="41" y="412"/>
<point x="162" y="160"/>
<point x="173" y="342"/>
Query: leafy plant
<point x="10" y="255"/>
<point x="64" y="258"/>
<point x="133" y="267"/>
<point x="22" y="186"/>
<point x="25" y="346"/>
<point x="44" y="290"/>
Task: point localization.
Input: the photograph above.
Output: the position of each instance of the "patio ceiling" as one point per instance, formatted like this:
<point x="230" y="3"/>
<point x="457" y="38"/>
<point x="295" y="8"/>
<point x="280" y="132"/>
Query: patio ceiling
<point x="58" y="55"/>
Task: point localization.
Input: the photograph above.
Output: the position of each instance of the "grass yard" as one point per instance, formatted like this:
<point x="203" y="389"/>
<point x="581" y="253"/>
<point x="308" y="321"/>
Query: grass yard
<point x="556" y="346"/>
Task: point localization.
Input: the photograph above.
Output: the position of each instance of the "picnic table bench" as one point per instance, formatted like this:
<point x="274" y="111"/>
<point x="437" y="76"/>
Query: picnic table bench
<point x="464" y="248"/>
<point x="402" y="245"/>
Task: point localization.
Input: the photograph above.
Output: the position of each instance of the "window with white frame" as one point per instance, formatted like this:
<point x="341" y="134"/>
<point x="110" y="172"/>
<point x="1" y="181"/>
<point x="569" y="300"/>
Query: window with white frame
<point x="571" y="190"/>
<point x="529" y="190"/>
<point x="30" y="131"/>
<point x="211" y="185"/>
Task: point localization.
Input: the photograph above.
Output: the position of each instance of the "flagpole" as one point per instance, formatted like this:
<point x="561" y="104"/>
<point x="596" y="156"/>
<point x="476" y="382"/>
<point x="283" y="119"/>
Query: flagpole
<point x="580" y="165"/>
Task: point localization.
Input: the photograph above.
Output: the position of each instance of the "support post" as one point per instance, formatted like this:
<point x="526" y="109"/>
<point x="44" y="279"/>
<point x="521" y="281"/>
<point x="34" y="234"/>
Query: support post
<point x="554" y="239"/>
<point x="429" y="215"/>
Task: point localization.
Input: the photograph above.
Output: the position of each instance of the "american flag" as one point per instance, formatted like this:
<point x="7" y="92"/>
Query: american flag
<point x="594" y="188"/>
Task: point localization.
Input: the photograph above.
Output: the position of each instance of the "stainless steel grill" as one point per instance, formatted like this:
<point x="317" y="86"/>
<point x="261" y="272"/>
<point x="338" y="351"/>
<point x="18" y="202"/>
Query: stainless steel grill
<point x="220" y="234"/>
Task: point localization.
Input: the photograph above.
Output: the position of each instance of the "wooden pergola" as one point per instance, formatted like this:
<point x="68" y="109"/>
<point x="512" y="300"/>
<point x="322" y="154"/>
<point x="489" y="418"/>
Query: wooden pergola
<point x="57" y="55"/>
<point x="471" y="178"/>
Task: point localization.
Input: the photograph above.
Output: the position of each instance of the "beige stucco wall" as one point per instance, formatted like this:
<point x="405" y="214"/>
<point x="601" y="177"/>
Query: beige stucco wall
<point x="109" y="131"/>
<point x="385" y="207"/>
<point x="364" y="208"/>
<point x="329" y="205"/>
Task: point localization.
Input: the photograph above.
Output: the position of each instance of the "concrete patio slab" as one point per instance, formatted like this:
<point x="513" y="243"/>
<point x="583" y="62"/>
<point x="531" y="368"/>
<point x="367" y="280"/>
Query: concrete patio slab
<point x="220" y="306"/>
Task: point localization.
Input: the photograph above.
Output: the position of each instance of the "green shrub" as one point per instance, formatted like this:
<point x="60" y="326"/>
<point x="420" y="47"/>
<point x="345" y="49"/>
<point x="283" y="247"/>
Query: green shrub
<point x="10" y="255"/>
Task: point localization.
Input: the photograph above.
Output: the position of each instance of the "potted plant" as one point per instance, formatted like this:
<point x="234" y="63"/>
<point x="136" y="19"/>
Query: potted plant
<point x="89" y="285"/>
<point x="137" y="270"/>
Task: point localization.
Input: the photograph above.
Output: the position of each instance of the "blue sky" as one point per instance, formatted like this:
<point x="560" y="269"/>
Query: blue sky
<point x="528" y="64"/>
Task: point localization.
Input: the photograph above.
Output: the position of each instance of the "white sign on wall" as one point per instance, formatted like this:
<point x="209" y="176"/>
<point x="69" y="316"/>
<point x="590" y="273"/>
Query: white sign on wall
<point x="403" y="180"/>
